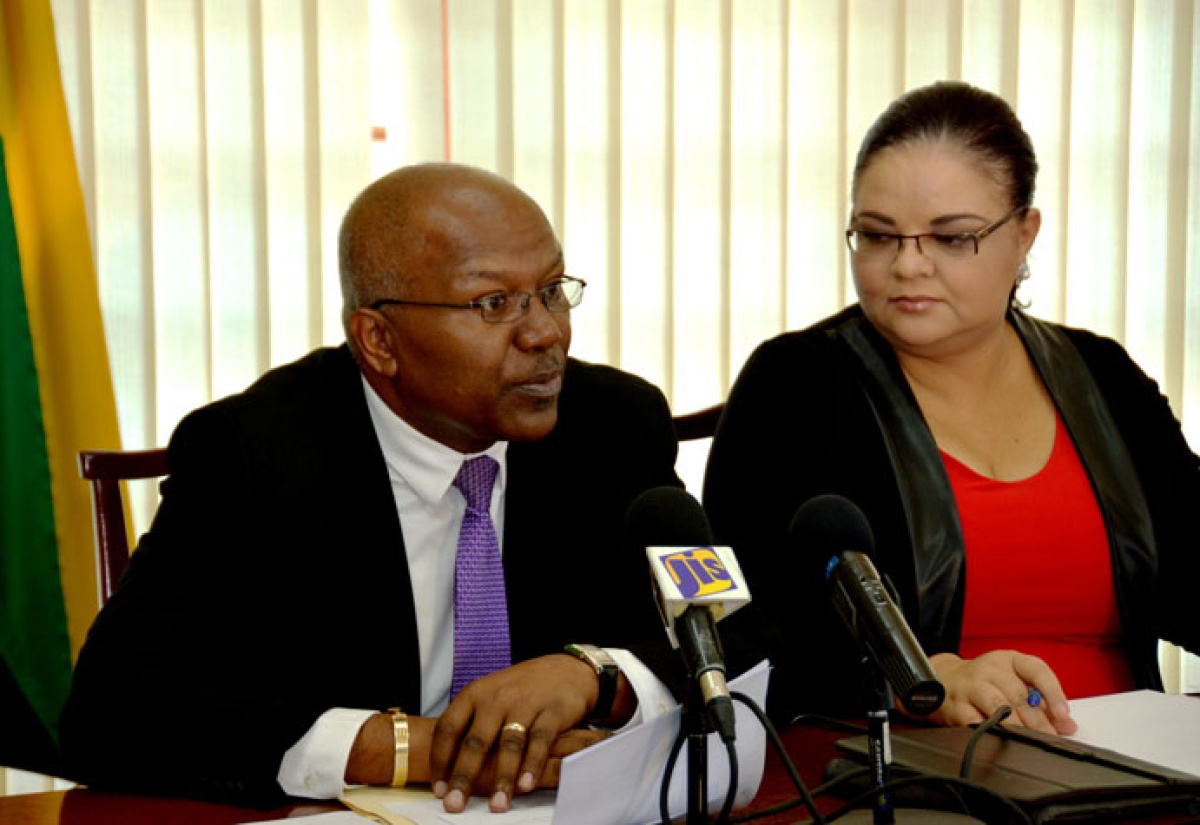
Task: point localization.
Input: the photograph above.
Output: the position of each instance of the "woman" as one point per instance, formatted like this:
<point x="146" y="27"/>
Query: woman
<point x="1027" y="485"/>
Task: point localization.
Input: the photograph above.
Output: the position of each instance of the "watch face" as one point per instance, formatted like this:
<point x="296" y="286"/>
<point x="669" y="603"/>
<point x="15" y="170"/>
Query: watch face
<point x="607" y="672"/>
<point x="594" y="656"/>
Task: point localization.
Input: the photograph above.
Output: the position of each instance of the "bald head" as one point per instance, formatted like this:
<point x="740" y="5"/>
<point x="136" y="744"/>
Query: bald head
<point x="419" y="248"/>
<point x="417" y="221"/>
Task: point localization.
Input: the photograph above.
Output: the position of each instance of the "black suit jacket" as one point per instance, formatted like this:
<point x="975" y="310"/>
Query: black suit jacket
<point x="804" y="418"/>
<point x="273" y="584"/>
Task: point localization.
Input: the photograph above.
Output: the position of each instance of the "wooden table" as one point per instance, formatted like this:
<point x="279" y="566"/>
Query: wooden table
<point x="80" y="806"/>
<point x="810" y="748"/>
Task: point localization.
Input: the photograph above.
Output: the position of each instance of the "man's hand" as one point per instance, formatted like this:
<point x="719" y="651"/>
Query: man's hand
<point x="975" y="688"/>
<point x="371" y="758"/>
<point x="521" y="711"/>
<point x="566" y="744"/>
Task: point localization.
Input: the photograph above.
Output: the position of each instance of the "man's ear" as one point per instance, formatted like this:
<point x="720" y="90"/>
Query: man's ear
<point x="375" y="340"/>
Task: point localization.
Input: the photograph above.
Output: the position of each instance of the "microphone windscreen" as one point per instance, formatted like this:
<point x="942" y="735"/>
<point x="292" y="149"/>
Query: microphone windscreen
<point x="827" y="525"/>
<point x="667" y="517"/>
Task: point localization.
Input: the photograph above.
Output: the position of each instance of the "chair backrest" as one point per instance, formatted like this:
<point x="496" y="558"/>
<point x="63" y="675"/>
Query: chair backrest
<point x="106" y="469"/>
<point x="700" y="424"/>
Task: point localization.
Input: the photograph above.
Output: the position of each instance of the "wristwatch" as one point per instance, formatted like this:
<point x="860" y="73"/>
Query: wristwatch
<point x="606" y="672"/>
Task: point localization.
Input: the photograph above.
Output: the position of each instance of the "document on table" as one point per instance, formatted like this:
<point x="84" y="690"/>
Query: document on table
<point x="1145" y="724"/>
<point x="614" y="782"/>
<point x="619" y="779"/>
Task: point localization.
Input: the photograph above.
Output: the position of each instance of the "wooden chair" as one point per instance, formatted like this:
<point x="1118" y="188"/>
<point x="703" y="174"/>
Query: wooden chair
<point x="699" y="424"/>
<point x="106" y="469"/>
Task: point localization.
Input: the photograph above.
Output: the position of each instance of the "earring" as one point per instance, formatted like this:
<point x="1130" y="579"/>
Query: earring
<point x="1022" y="273"/>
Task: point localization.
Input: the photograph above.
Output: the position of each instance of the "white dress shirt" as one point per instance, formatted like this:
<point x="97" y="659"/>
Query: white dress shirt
<point x="422" y="474"/>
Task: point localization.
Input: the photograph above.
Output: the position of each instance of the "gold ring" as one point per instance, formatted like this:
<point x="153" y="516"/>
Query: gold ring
<point x="515" y="727"/>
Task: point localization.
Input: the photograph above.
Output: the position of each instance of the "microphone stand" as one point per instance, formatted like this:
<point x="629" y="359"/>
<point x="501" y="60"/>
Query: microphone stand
<point x="696" y="725"/>
<point x="879" y="744"/>
<point x="879" y="754"/>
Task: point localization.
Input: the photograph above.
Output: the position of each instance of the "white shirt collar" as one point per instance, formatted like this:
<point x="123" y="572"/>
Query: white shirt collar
<point x="428" y="467"/>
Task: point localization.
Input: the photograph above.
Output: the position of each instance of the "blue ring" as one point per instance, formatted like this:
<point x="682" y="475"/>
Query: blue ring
<point x="1035" y="698"/>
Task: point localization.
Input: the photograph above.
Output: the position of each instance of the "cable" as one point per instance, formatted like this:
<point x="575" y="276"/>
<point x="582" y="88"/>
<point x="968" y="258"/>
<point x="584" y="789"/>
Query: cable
<point x="828" y="721"/>
<point x="951" y="785"/>
<point x="731" y="791"/>
<point x="821" y="790"/>
<point x="664" y="793"/>
<point x="847" y="778"/>
<point x="1001" y="713"/>
<point x="948" y="782"/>
<point x="664" y="808"/>
<point x="789" y="766"/>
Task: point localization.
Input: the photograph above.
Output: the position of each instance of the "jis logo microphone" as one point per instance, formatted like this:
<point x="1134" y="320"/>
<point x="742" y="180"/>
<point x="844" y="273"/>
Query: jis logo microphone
<point x="698" y="571"/>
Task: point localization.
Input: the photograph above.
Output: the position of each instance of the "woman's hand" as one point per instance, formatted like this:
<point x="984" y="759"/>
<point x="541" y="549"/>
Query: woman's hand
<point x="975" y="688"/>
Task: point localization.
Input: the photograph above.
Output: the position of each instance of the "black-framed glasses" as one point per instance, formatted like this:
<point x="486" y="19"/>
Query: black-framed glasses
<point x="508" y="307"/>
<point x="868" y="243"/>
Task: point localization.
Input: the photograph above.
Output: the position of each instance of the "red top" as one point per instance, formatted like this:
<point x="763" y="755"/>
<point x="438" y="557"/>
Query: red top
<point x="1039" y="573"/>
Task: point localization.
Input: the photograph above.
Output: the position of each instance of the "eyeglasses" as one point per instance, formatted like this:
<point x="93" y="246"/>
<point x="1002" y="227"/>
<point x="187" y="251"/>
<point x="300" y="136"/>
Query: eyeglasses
<point x="508" y="307"/>
<point x="870" y="244"/>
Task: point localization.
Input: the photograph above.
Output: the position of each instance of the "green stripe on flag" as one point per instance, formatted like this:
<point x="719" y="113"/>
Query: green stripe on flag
<point x="34" y="640"/>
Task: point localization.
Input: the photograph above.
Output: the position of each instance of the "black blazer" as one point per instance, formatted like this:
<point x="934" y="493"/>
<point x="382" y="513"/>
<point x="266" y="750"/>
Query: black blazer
<point x="827" y="410"/>
<point x="273" y="584"/>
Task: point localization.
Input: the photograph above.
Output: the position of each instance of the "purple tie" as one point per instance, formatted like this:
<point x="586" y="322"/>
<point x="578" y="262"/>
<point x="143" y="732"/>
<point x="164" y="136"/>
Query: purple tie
<point x="480" y="609"/>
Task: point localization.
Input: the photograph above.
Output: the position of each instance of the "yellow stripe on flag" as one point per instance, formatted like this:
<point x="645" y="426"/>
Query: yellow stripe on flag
<point x="78" y="405"/>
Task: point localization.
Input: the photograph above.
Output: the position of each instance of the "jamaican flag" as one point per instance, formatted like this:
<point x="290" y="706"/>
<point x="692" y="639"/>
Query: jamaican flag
<point x="56" y="394"/>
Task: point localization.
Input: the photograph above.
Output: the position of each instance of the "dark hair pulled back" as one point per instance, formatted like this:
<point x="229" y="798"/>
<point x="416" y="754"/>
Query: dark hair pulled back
<point x="979" y="121"/>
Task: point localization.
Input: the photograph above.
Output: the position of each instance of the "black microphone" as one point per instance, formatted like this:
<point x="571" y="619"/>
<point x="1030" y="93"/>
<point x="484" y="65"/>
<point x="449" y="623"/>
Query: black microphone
<point x="695" y="584"/>
<point x="837" y="531"/>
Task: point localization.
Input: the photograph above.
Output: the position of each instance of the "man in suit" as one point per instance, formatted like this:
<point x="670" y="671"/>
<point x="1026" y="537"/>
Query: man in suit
<point x="287" y="625"/>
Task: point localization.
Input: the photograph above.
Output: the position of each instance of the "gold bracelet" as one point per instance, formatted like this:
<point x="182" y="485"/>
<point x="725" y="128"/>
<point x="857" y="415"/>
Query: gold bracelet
<point x="400" y="766"/>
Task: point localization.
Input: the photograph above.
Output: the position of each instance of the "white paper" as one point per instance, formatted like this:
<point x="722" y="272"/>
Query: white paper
<point x="1155" y="727"/>
<point x="423" y="808"/>
<point x="614" y="782"/>
<point x="617" y="781"/>
<point x="332" y="818"/>
<point x="535" y="808"/>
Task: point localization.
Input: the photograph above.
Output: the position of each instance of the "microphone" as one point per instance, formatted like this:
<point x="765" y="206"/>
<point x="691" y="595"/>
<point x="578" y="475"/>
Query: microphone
<point x="695" y="584"/>
<point x="835" y="528"/>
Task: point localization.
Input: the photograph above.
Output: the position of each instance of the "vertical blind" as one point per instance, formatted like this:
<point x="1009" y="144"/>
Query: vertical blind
<point x="693" y="156"/>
